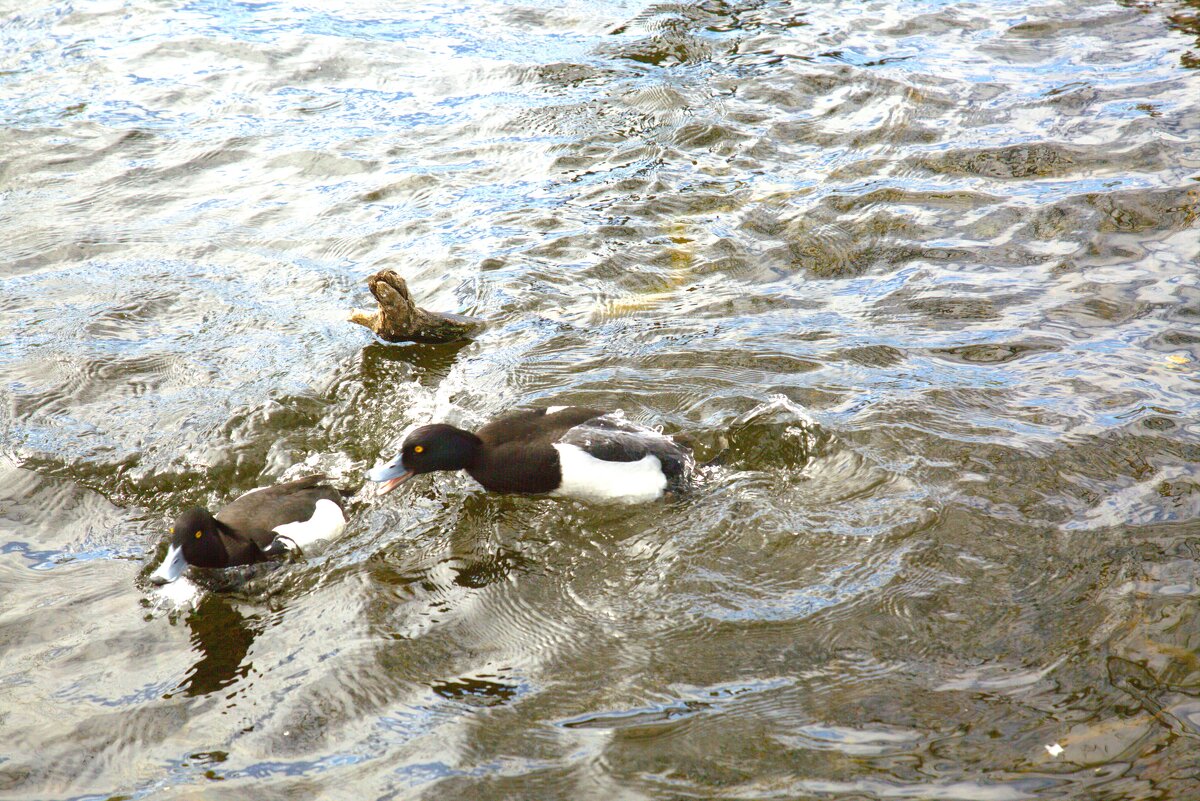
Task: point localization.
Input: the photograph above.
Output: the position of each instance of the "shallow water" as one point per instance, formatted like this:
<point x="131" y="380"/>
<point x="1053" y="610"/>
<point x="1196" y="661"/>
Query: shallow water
<point x="924" y="273"/>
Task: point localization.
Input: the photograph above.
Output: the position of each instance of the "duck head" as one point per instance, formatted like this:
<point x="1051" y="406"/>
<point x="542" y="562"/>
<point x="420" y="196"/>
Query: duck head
<point x="426" y="449"/>
<point x="195" y="540"/>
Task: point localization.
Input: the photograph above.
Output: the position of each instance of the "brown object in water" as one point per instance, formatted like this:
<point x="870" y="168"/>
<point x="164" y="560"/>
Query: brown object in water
<point x="401" y="320"/>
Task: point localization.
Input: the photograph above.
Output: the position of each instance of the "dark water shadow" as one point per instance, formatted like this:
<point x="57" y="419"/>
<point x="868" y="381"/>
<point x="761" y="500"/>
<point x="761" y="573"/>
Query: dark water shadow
<point x="475" y="691"/>
<point x="222" y="636"/>
<point x="431" y="361"/>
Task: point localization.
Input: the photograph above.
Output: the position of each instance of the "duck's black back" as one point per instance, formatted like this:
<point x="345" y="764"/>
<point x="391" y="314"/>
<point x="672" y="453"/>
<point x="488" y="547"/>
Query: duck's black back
<point x="534" y="426"/>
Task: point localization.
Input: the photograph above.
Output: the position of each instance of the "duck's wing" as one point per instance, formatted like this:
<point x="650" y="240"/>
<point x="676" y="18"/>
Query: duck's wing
<point x="266" y="510"/>
<point x="542" y="425"/>
<point x="612" y="438"/>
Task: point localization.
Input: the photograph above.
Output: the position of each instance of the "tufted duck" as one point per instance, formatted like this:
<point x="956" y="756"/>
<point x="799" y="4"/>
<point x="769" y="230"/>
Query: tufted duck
<point x="561" y="450"/>
<point x="261" y="524"/>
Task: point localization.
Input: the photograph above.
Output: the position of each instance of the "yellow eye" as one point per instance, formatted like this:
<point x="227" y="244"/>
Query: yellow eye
<point x="199" y="535"/>
<point x="172" y="529"/>
<point x="419" y="449"/>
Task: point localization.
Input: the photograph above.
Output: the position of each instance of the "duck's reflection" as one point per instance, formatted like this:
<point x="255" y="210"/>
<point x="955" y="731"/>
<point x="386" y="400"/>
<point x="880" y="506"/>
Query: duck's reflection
<point x="380" y="363"/>
<point x="222" y="636"/>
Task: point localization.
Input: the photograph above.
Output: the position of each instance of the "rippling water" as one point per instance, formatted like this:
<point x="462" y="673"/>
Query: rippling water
<point x="925" y="272"/>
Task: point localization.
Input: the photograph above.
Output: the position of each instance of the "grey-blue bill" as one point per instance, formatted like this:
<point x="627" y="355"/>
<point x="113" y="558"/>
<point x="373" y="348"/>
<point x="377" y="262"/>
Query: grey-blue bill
<point x="389" y="476"/>
<point x="172" y="567"/>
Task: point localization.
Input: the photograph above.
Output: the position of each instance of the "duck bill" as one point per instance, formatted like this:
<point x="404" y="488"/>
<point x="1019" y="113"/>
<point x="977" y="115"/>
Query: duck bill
<point x="172" y="567"/>
<point x="389" y="477"/>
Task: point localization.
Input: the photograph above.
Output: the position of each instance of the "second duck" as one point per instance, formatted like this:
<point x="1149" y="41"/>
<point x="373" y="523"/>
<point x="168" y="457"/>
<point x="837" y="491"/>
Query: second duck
<point x="569" y="451"/>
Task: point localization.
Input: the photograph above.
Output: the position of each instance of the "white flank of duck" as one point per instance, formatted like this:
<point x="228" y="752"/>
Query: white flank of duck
<point x="585" y="476"/>
<point x="326" y="522"/>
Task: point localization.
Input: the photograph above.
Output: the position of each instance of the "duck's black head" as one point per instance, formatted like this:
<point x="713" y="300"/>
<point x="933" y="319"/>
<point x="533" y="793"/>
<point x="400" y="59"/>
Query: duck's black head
<point x="426" y="449"/>
<point x="439" y="447"/>
<point x="195" y="540"/>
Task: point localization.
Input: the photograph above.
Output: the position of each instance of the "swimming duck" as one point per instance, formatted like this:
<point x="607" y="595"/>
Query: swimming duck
<point x="571" y="451"/>
<point x="255" y="527"/>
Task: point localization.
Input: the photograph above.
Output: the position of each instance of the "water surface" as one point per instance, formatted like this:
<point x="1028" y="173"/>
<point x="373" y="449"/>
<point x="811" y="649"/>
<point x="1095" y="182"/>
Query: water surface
<point x="924" y="274"/>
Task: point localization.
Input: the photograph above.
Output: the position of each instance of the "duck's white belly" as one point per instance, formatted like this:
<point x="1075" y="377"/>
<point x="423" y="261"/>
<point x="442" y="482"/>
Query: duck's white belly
<point x="327" y="521"/>
<point x="585" y="476"/>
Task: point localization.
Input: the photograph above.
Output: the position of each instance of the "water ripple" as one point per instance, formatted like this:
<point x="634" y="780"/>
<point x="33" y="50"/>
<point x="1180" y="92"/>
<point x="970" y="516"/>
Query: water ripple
<point x="918" y="279"/>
